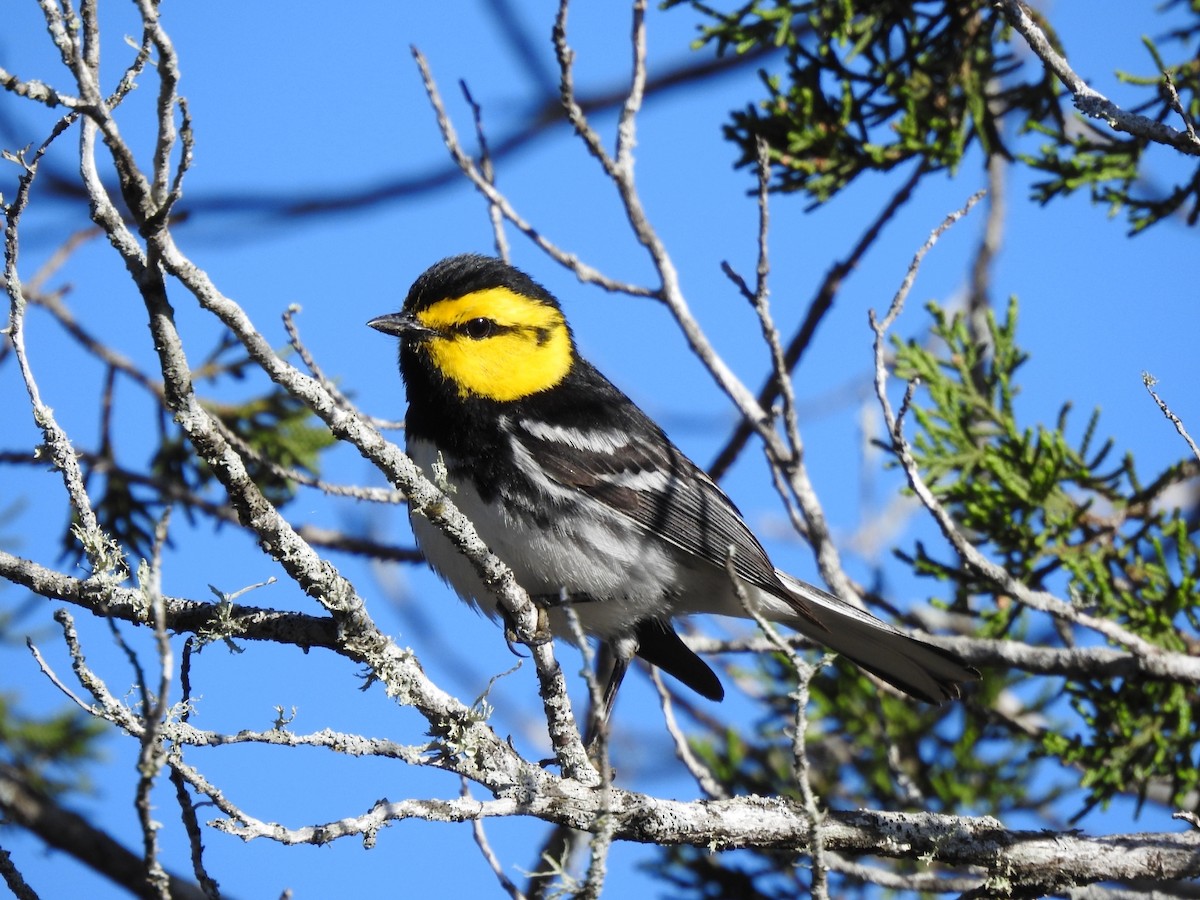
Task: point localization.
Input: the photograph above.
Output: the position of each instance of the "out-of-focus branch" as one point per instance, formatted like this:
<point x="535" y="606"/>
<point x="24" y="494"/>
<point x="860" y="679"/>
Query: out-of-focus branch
<point x="542" y="119"/>
<point x="979" y="295"/>
<point x="13" y="879"/>
<point x="77" y="837"/>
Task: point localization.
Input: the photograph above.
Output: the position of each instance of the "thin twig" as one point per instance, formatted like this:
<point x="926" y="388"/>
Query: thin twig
<point x="800" y="764"/>
<point x="703" y="775"/>
<point x="56" y="442"/>
<point x="624" y="182"/>
<point x="187" y="809"/>
<point x="310" y="362"/>
<point x="488" y="171"/>
<point x="627" y="123"/>
<point x="762" y="305"/>
<point x="582" y="271"/>
<point x="151" y="756"/>
<point x="602" y="836"/>
<point x="489" y="855"/>
<point x="1177" y="105"/>
<point x="1149" y="381"/>
<point x="58" y="682"/>
<point x="821" y="303"/>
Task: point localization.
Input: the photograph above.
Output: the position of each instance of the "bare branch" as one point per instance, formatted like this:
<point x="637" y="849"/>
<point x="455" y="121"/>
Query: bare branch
<point x="489" y="855"/>
<point x="187" y="808"/>
<point x="37" y="91"/>
<point x="582" y="271"/>
<point x="704" y="777"/>
<point x="624" y="182"/>
<point x="627" y="123"/>
<point x="1032" y="860"/>
<point x="1075" y="662"/>
<point x="602" y="838"/>
<point x="151" y="755"/>
<point x="1149" y="381"/>
<point x="488" y="171"/>
<point x="800" y="765"/>
<point x="821" y="304"/>
<point x="1088" y="100"/>
<point x="306" y="357"/>
<point x="56" y="441"/>
<point x="202" y="618"/>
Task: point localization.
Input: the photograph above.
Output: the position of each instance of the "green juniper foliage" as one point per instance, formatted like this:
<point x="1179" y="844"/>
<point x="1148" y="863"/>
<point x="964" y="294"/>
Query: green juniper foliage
<point x="870" y="85"/>
<point x="1047" y="508"/>
<point x="49" y="751"/>
<point x="279" y="431"/>
<point x="1058" y="516"/>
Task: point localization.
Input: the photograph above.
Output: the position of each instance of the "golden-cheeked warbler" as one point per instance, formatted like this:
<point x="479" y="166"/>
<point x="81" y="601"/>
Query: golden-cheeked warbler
<point x="584" y="497"/>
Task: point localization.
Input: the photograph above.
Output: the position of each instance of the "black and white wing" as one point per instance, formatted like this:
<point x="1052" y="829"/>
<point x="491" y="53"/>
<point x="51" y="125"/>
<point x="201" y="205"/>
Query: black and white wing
<point x="629" y="465"/>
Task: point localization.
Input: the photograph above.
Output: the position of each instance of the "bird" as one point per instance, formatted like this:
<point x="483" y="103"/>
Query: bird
<point x="588" y="501"/>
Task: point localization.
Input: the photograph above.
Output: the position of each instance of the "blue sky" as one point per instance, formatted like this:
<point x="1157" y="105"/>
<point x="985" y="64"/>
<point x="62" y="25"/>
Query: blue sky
<point x="312" y="99"/>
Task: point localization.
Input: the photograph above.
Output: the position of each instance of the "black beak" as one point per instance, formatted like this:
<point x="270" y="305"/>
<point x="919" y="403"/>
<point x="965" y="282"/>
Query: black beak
<point x="400" y="325"/>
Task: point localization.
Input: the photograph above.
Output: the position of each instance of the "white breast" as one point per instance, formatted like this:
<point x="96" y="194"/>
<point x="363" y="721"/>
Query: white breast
<point x="619" y="574"/>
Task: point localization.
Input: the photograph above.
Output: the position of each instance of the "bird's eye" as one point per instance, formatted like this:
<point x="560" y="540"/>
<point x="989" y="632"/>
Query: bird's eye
<point x="478" y="329"/>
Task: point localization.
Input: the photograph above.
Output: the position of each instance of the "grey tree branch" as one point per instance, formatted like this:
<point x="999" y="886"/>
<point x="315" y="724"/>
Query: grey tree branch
<point x="1032" y="861"/>
<point x="1149" y="381"/>
<point x="1028" y="860"/>
<point x="1074" y="662"/>
<point x="820" y="305"/>
<point x="180" y="615"/>
<point x="500" y="202"/>
<point x="316" y="576"/>
<point x="155" y="706"/>
<point x="713" y="789"/>
<point x="1087" y="99"/>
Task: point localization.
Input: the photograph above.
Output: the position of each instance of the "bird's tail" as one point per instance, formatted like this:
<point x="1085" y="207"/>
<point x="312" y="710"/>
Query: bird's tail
<point x="910" y="664"/>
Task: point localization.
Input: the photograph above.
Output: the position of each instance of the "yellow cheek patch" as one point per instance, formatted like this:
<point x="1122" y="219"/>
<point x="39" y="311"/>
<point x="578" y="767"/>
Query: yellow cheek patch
<point x="530" y="351"/>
